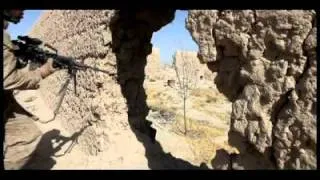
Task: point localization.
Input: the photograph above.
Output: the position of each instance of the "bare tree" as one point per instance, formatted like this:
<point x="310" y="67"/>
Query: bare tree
<point x="187" y="76"/>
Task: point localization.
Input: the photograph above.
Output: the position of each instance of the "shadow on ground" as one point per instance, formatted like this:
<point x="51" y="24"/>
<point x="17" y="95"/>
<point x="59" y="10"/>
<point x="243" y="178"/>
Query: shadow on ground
<point x="158" y="159"/>
<point x="45" y="151"/>
<point x="222" y="160"/>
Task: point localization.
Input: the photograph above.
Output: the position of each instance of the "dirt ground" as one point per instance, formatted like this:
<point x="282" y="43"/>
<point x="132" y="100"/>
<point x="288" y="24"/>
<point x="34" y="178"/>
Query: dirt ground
<point x="57" y="151"/>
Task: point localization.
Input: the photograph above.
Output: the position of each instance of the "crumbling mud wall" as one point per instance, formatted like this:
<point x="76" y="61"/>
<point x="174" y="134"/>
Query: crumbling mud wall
<point x="266" y="65"/>
<point x="153" y="66"/>
<point x="116" y="41"/>
<point x="201" y="69"/>
<point x="84" y="35"/>
<point x="131" y="42"/>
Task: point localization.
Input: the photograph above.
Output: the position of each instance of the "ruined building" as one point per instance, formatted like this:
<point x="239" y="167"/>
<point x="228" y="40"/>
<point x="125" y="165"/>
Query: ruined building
<point x="265" y="61"/>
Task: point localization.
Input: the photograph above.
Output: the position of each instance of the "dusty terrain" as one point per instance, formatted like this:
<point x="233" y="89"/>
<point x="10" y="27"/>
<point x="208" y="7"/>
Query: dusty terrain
<point x="208" y="115"/>
<point x="262" y="61"/>
<point x="57" y="151"/>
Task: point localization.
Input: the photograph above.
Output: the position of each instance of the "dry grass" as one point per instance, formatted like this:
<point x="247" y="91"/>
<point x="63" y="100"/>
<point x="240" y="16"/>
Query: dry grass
<point x="203" y="100"/>
<point x="160" y="100"/>
<point x="224" y="117"/>
<point x="200" y="137"/>
<point x="208" y="94"/>
<point x="206" y="99"/>
<point x="197" y="127"/>
<point x="202" y="106"/>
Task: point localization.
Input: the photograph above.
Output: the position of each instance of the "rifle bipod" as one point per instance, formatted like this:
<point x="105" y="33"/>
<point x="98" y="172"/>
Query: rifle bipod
<point x="63" y="92"/>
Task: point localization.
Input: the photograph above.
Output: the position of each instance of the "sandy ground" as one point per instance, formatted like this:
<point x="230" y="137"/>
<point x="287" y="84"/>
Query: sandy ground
<point x="48" y="156"/>
<point x="126" y="151"/>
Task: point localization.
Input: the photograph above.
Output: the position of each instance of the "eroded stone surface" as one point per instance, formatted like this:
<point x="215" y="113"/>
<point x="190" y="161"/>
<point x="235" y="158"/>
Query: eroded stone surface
<point x="265" y="60"/>
<point x="84" y="35"/>
<point x="116" y="41"/>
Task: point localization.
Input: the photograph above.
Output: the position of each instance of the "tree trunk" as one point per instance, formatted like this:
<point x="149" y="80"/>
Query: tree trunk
<point x="184" y="116"/>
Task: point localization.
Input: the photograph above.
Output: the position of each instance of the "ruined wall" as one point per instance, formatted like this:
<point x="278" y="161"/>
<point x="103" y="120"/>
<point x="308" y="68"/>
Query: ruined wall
<point x="153" y="66"/>
<point x="156" y="71"/>
<point x="192" y="57"/>
<point x="84" y="35"/>
<point x="266" y="65"/>
<point x="132" y="31"/>
<point x="116" y="41"/>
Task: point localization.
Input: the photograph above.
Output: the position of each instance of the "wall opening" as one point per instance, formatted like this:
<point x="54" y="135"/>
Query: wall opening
<point x="203" y="129"/>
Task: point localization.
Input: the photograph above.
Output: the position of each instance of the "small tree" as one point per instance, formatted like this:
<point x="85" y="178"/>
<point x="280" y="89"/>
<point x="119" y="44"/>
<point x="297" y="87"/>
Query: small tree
<point x="186" y="73"/>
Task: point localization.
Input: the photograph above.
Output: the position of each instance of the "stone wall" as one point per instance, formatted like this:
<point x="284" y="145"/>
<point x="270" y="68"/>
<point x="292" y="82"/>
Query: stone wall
<point x="84" y="35"/>
<point x="191" y="57"/>
<point x="266" y="64"/>
<point x="153" y="66"/>
<point x="116" y="41"/>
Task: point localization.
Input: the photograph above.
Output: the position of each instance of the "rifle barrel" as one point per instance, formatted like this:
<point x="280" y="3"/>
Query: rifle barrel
<point x="94" y="68"/>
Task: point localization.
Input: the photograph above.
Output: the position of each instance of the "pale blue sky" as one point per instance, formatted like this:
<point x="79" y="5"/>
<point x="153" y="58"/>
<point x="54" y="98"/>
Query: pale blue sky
<point x="173" y="36"/>
<point x="25" y="25"/>
<point x="168" y="39"/>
